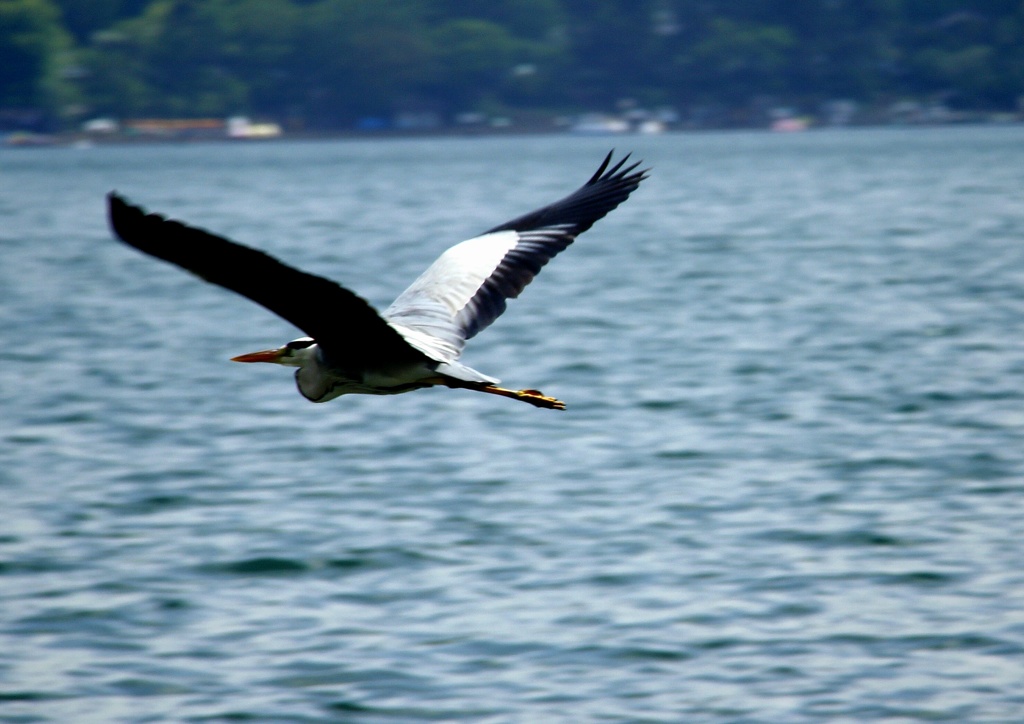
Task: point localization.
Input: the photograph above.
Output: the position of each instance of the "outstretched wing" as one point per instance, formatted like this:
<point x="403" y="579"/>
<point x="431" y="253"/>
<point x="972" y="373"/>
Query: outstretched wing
<point x="345" y="326"/>
<point x="466" y="289"/>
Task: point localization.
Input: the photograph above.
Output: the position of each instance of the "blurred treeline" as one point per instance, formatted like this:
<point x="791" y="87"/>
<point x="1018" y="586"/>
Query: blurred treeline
<point x="328" y="63"/>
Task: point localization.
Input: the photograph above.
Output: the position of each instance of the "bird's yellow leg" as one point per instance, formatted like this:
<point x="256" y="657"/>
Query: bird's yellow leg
<point x="533" y="397"/>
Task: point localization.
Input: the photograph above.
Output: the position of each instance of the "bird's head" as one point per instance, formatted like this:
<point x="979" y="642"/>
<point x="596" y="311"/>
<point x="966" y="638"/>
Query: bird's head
<point x="294" y="354"/>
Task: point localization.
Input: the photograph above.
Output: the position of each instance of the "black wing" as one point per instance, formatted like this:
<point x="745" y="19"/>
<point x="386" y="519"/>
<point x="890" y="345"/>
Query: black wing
<point x="467" y="287"/>
<point x="546" y="232"/>
<point x="605" y="190"/>
<point x="345" y="326"/>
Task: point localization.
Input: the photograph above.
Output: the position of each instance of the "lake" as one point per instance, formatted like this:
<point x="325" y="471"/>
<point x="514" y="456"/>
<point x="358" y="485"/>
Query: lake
<point x="788" y="487"/>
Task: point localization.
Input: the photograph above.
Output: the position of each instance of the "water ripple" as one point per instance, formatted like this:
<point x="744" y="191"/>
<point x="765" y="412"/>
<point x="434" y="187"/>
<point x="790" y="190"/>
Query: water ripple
<point x="786" y="488"/>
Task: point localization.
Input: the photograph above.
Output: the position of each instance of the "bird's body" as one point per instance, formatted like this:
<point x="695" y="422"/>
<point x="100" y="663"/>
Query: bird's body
<point x="417" y="341"/>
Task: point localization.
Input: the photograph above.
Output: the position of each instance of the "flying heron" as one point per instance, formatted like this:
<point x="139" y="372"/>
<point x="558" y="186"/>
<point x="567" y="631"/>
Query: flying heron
<point x="417" y="341"/>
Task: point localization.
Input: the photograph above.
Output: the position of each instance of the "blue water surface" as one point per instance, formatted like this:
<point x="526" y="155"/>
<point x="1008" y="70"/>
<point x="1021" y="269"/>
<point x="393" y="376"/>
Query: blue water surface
<point x="788" y="487"/>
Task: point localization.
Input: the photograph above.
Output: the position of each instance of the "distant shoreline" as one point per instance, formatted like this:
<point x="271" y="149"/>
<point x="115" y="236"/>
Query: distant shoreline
<point x="21" y="139"/>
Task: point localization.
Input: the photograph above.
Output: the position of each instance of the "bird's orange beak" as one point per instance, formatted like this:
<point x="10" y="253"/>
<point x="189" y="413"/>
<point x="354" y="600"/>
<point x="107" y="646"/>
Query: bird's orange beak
<point x="267" y="355"/>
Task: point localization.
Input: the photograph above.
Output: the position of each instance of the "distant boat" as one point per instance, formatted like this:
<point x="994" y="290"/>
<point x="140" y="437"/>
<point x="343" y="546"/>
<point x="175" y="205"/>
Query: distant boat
<point x="650" y="127"/>
<point x="789" y="125"/>
<point x="599" y="125"/>
<point x="242" y="127"/>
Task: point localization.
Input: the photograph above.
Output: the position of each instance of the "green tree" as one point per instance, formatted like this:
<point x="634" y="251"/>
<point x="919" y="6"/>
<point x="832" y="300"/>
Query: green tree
<point x="737" y="60"/>
<point x="117" y="64"/>
<point x="82" y="18"/>
<point x="34" y="56"/>
<point x="331" y="62"/>
<point x="361" y="57"/>
<point x="188" y="65"/>
<point x="262" y="38"/>
<point x="526" y="19"/>
<point x="476" y="59"/>
<point x="611" y="43"/>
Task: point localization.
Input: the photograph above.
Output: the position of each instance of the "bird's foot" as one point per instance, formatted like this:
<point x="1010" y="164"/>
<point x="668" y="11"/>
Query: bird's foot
<point x="537" y="399"/>
<point x="533" y="397"/>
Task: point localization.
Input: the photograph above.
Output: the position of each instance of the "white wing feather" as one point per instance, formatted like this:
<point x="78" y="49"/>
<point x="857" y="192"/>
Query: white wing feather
<point x="425" y="313"/>
<point x="467" y="287"/>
